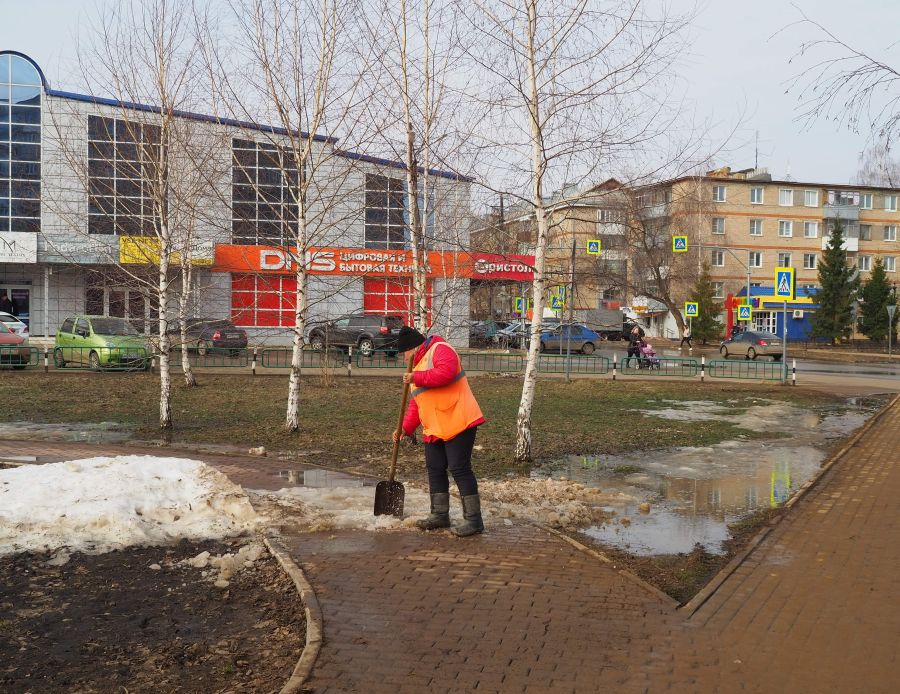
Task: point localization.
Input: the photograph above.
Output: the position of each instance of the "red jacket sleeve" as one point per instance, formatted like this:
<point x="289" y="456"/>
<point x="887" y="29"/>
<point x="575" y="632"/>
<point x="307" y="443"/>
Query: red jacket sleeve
<point x="411" y="419"/>
<point x="444" y="368"/>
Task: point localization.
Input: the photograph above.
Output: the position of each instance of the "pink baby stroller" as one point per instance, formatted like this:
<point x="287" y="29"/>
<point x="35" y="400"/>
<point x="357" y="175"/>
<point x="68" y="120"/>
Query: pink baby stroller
<point x="648" y="359"/>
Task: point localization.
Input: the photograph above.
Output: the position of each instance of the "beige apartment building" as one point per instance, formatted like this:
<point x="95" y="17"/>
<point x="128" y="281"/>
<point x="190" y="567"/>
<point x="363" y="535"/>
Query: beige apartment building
<point x="766" y="223"/>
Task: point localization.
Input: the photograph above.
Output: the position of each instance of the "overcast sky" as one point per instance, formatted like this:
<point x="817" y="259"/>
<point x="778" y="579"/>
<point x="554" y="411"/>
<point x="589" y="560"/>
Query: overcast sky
<point x="735" y="73"/>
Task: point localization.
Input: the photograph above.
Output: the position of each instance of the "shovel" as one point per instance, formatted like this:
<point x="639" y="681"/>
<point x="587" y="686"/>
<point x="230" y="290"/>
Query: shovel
<point x="388" y="493"/>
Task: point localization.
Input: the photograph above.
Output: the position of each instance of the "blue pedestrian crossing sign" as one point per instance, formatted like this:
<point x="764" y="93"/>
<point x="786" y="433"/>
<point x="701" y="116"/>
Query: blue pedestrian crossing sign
<point x="556" y="303"/>
<point x="784" y="283"/>
<point x="593" y="247"/>
<point x="519" y="304"/>
<point x="691" y="309"/>
<point x="679" y="244"/>
<point x="745" y="312"/>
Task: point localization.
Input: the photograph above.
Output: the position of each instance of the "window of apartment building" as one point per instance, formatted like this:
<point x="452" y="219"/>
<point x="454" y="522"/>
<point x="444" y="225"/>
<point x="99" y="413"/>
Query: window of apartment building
<point x="843" y="197"/>
<point x="785" y="228"/>
<point x="890" y="232"/>
<point x="718" y="193"/>
<point x="755" y="259"/>
<point x="865" y="201"/>
<point x="718" y="258"/>
<point x="718" y="225"/>
<point x="865" y="232"/>
<point x="385" y="212"/>
<point x="890" y="263"/>
<point x="718" y="290"/>
<point x="20" y="151"/>
<point x="784" y="259"/>
<point x="811" y="198"/>
<point x="264" y="186"/>
<point x="810" y="261"/>
<point x="756" y="196"/>
<point x="786" y="197"/>
<point x="890" y="203"/>
<point x="756" y="228"/>
<point x="811" y="230"/>
<point x="609" y="216"/>
<point x="123" y="161"/>
<point x="864" y="263"/>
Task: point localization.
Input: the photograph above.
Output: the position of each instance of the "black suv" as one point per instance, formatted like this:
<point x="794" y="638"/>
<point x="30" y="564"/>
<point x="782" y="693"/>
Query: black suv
<point x="367" y="332"/>
<point x="208" y="333"/>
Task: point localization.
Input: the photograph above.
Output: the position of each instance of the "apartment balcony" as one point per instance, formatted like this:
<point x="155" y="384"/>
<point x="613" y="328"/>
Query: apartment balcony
<point x="654" y="211"/>
<point x="851" y="245"/>
<point x="849" y="213"/>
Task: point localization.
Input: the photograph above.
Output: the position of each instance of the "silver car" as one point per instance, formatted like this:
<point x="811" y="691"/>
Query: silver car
<point x="752" y="344"/>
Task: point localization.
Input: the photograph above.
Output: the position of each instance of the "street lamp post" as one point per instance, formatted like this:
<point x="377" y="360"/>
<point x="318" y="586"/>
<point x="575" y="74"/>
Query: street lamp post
<point x="890" y="309"/>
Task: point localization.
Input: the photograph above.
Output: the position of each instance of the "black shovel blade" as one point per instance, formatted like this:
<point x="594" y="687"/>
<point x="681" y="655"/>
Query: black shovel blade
<point x="389" y="499"/>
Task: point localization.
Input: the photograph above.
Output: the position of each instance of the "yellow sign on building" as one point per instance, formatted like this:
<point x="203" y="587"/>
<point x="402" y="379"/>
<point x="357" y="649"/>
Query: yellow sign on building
<point x="144" y="250"/>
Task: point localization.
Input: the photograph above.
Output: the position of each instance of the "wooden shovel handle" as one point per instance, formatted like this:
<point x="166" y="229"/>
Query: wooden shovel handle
<point x="399" y="430"/>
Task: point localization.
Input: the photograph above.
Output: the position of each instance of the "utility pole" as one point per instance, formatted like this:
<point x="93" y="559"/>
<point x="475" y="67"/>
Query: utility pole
<point x="571" y="318"/>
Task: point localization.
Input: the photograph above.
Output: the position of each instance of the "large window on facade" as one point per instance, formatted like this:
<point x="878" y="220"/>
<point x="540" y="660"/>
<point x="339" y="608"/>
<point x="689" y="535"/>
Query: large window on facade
<point x="386" y="213"/>
<point x="264" y="187"/>
<point x="123" y="160"/>
<point x="20" y="144"/>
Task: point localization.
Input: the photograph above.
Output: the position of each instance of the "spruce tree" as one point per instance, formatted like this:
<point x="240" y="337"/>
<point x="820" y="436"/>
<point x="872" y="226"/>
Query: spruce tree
<point x="876" y="294"/>
<point x="706" y="326"/>
<point x="833" y="318"/>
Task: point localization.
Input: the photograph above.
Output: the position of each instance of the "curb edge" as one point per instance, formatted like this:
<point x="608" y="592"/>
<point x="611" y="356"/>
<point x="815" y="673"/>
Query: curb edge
<point x="314" y="622"/>
<point x="691" y="607"/>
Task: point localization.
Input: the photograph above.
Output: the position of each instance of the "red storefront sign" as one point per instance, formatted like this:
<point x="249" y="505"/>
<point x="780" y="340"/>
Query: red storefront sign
<point x="372" y="263"/>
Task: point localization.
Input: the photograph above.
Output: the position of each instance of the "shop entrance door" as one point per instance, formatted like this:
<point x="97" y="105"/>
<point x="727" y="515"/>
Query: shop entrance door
<point x="16" y="299"/>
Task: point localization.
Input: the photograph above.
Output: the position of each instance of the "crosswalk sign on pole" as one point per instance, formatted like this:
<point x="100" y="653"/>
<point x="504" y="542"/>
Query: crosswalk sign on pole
<point x="784" y="283"/>
<point x="519" y="304"/>
<point x="593" y="247"/>
<point x="745" y="312"/>
<point x="691" y="309"/>
<point x="679" y="244"/>
<point x="556" y="303"/>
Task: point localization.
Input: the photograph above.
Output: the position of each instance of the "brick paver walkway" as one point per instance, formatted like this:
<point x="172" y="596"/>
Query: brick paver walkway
<point x="815" y="608"/>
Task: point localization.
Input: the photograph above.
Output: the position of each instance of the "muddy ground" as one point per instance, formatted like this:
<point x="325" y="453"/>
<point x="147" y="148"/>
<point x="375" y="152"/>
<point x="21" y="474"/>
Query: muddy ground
<point x="110" y="623"/>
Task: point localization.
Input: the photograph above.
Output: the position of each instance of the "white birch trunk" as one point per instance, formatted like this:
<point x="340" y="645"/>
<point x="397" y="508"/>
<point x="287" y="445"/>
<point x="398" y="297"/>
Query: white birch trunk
<point x="523" y="420"/>
<point x="183" y="302"/>
<point x="165" y="375"/>
<point x="292" y="418"/>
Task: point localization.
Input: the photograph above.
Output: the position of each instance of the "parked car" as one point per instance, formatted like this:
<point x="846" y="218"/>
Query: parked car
<point x="483" y="334"/>
<point x="11" y="321"/>
<point x="367" y="332"/>
<point x="752" y="344"/>
<point x="14" y="349"/>
<point x="578" y="338"/>
<point x="100" y="341"/>
<point x="204" y="334"/>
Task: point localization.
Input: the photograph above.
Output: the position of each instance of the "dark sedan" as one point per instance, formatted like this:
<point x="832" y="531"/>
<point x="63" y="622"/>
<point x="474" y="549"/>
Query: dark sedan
<point x="204" y="334"/>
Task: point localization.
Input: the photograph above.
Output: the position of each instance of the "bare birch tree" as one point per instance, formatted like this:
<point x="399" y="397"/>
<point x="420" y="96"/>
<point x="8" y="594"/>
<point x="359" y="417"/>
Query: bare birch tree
<point x="289" y="64"/>
<point x="573" y="88"/>
<point x="139" y="174"/>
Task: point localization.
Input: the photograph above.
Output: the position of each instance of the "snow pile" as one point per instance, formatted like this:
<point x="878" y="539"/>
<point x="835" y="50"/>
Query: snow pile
<point x="556" y="503"/>
<point x="102" y="504"/>
<point x="331" y="508"/>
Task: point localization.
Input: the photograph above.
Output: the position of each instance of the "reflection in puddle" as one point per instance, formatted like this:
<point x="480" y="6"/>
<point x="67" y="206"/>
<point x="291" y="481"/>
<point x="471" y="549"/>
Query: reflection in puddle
<point x="696" y="492"/>
<point x="322" y="479"/>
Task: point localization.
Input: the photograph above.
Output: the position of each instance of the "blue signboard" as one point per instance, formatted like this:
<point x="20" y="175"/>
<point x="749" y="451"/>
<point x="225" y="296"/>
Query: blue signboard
<point x="784" y="283"/>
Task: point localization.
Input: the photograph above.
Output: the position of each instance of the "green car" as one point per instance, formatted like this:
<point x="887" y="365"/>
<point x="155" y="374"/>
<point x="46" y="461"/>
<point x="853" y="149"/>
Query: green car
<point x="100" y="342"/>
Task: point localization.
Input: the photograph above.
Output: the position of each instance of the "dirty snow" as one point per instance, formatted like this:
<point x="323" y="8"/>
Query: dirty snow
<point x="557" y="503"/>
<point x="102" y="504"/>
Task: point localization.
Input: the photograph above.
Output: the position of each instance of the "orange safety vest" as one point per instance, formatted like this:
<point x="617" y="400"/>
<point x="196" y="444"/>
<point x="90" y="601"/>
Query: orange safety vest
<point x="448" y="410"/>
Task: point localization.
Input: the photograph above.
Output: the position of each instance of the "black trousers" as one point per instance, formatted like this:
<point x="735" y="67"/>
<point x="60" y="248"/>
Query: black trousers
<point x="685" y="339"/>
<point x="633" y="351"/>
<point x="455" y="455"/>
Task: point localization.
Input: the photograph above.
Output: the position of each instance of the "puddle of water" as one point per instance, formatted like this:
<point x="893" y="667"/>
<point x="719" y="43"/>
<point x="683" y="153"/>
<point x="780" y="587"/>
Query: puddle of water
<point x="696" y="492"/>
<point x="103" y="432"/>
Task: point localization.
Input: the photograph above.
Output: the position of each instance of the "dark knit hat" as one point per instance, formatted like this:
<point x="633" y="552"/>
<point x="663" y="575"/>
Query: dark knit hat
<point x="409" y="338"/>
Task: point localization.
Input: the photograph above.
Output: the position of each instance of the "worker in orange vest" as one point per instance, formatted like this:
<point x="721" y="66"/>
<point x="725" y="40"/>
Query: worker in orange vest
<point x="443" y="404"/>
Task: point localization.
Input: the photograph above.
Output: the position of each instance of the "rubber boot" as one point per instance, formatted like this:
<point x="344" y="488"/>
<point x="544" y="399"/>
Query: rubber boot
<point x="440" y="513"/>
<point x="472" y="513"/>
